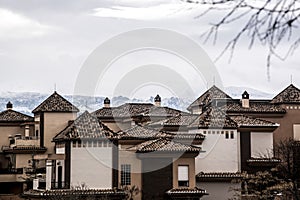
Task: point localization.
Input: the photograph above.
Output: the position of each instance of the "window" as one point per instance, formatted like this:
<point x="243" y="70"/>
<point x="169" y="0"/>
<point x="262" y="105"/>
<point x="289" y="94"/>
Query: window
<point x="125" y="174"/>
<point x="183" y="176"/>
<point x="231" y="135"/>
<point x="226" y="135"/>
<point x="296" y="130"/>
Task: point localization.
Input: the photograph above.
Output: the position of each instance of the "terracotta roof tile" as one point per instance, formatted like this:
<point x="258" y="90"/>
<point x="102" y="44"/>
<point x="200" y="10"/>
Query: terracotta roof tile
<point x="212" y="93"/>
<point x="136" y="109"/>
<point x="291" y="94"/>
<point x="213" y="117"/>
<point x="254" y="107"/>
<point x="86" y="126"/>
<point x="55" y="103"/>
<point x="14" y="116"/>
<point x="162" y="144"/>
<point x="243" y="120"/>
<point x="178" y="120"/>
<point x="140" y="132"/>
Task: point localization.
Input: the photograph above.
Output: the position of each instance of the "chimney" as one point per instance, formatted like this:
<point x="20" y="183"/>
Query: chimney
<point x="245" y="100"/>
<point x="9" y="106"/>
<point x="106" y="102"/>
<point x="157" y="100"/>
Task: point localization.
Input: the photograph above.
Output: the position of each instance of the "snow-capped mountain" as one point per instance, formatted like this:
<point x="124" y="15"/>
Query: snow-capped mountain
<point x="236" y="93"/>
<point x="25" y="102"/>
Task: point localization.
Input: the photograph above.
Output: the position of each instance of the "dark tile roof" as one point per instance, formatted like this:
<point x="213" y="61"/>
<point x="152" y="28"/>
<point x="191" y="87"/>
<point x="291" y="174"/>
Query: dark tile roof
<point x="104" y="112"/>
<point x="246" y="121"/>
<point x="14" y="116"/>
<point x="178" y="120"/>
<point x="55" y="103"/>
<point x="125" y="110"/>
<point x="259" y="106"/>
<point x="291" y="94"/>
<point x="213" y="117"/>
<point x="161" y="111"/>
<point x="141" y="133"/>
<point x="136" y="109"/>
<point x="213" y="93"/>
<point x="162" y="144"/>
<point x="86" y="126"/>
<point x="185" y="192"/>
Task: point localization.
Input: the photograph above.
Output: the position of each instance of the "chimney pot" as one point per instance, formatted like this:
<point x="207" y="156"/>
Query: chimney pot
<point x="106" y="102"/>
<point x="157" y="100"/>
<point x="245" y="100"/>
<point x="9" y="105"/>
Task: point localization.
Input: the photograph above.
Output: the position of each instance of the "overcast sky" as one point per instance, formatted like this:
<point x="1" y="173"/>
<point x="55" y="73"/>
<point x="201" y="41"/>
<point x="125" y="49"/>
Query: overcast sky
<point x="43" y="43"/>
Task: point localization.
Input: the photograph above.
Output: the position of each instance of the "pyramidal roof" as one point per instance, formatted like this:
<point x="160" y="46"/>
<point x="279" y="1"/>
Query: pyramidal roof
<point x="291" y="94"/>
<point x="212" y="93"/>
<point x="86" y="126"/>
<point x="55" y="103"/>
<point x="13" y="116"/>
<point x="213" y="117"/>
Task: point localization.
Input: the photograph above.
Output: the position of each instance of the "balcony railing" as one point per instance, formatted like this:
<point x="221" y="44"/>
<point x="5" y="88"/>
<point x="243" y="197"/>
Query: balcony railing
<point x="12" y="171"/>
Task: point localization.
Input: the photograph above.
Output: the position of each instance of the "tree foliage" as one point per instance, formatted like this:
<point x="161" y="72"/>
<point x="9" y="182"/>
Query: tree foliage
<point x="270" y="22"/>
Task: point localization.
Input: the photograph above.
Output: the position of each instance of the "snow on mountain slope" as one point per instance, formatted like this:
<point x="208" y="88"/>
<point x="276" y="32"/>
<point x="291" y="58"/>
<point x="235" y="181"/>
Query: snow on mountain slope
<point x="25" y="102"/>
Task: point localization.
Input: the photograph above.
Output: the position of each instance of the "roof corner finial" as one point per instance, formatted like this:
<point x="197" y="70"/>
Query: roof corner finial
<point x="54" y="87"/>
<point x="291" y="79"/>
<point x="214" y="80"/>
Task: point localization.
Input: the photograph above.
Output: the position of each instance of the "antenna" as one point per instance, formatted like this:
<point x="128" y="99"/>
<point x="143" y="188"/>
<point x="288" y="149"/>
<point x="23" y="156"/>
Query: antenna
<point x="291" y="79"/>
<point x="54" y="86"/>
<point x="214" y="80"/>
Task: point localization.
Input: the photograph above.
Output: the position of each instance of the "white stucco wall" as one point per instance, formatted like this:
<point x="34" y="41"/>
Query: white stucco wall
<point x="261" y="144"/>
<point x="92" y="166"/>
<point x="220" y="154"/>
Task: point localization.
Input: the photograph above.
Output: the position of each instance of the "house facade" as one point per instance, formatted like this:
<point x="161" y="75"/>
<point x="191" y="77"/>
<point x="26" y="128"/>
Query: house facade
<point x="162" y="152"/>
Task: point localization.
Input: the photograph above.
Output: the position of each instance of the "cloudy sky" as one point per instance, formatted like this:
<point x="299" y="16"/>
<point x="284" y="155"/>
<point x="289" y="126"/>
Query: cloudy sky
<point x="47" y="43"/>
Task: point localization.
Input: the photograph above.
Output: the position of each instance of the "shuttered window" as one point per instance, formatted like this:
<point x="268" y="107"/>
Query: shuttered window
<point x="183" y="176"/>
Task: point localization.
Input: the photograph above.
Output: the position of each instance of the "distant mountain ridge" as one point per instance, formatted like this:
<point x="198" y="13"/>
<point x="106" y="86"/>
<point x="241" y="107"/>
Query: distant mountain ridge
<point x="25" y="102"/>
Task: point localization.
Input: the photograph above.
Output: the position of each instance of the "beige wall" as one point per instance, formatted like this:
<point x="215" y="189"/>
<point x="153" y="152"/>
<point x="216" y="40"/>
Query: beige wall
<point x="185" y="162"/>
<point x="53" y="124"/>
<point x="285" y="130"/>
<point x="6" y="130"/>
<point x="127" y="157"/>
<point x="22" y="160"/>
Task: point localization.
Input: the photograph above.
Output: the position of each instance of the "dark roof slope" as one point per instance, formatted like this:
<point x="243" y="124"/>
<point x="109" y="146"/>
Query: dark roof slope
<point x="246" y="121"/>
<point x="213" y="117"/>
<point x="291" y="94"/>
<point x="85" y="126"/>
<point x="255" y="106"/>
<point x="178" y="120"/>
<point x="140" y="132"/>
<point x="136" y="109"/>
<point x="213" y="93"/>
<point x="14" y="116"/>
<point x="162" y="144"/>
<point x="55" y="103"/>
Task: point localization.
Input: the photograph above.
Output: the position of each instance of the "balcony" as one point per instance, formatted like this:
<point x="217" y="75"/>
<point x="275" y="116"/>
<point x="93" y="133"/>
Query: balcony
<point x="24" y="144"/>
<point x="12" y="171"/>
